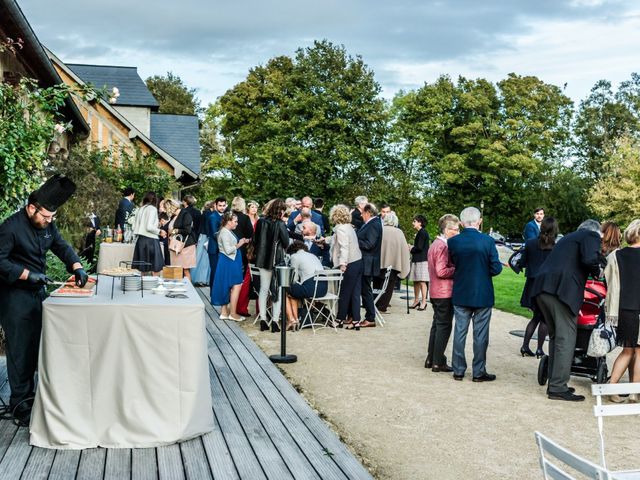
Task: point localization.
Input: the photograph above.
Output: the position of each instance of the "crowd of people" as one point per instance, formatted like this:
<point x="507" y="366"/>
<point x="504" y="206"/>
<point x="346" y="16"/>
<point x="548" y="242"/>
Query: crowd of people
<point x="454" y="273"/>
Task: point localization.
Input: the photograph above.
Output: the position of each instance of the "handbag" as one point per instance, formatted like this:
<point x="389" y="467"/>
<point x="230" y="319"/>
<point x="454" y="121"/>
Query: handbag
<point x="176" y="243"/>
<point x="515" y="261"/>
<point x="602" y="340"/>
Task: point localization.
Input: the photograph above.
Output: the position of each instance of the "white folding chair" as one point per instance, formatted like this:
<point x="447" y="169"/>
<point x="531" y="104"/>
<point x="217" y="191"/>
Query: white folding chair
<point x="378" y="292"/>
<point x="601" y="411"/>
<point x="552" y="454"/>
<point x="255" y="275"/>
<point x="324" y="306"/>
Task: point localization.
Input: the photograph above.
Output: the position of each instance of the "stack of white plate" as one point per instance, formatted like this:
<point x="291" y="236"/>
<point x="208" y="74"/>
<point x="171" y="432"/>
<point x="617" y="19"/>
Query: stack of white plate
<point x="131" y="284"/>
<point x="149" y="283"/>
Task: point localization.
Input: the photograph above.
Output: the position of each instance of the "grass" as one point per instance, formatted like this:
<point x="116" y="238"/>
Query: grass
<point x="508" y="289"/>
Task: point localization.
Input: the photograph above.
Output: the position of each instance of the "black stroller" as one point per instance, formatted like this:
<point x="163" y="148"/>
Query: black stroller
<point x="591" y="315"/>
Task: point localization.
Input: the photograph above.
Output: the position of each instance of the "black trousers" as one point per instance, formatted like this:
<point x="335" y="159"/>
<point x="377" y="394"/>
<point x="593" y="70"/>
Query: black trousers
<point x="349" y="299"/>
<point x="367" y="298"/>
<point x="21" y="319"/>
<point x="385" y="299"/>
<point x="440" y="330"/>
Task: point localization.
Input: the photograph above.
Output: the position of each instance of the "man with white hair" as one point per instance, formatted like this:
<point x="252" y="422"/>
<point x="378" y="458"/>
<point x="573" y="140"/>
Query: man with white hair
<point x="558" y="289"/>
<point x="476" y="260"/>
<point x="356" y="214"/>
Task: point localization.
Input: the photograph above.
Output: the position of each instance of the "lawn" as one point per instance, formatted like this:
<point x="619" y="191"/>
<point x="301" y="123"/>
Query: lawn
<point x="508" y="289"/>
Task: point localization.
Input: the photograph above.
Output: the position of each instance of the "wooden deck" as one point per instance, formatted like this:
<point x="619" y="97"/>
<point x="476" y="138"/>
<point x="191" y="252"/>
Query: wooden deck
<point x="264" y="430"/>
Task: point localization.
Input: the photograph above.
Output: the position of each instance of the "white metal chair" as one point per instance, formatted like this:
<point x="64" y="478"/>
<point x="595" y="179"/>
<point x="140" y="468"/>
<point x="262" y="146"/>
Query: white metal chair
<point x="378" y="292"/>
<point x="600" y="411"/>
<point x="553" y="459"/>
<point x="324" y="306"/>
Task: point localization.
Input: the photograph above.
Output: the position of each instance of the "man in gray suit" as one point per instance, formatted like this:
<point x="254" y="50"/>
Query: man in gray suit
<point x="559" y="291"/>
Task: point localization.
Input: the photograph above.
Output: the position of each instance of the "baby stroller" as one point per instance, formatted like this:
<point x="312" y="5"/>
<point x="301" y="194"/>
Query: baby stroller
<point x="591" y="314"/>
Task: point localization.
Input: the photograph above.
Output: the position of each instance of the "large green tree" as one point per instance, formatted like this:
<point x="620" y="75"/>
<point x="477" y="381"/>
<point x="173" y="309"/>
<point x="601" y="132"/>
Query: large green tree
<point x="173" y="95"/>
<point x="312" y="124"/>
<point x="472" y="141"/>
<point x="603" y="118"/>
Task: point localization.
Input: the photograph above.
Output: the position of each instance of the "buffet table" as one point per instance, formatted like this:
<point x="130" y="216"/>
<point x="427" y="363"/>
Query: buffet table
<point x="124" y="373"/>
<point x="111" y="254"/>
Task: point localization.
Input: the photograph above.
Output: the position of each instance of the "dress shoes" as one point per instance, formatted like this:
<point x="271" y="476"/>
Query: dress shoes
<point x="486" y="377"/>
<point x="442" y="368"/>
<point x="428" y="363"/>
<point x="458" y="377"/>
<point x="570" y="389"/>
<point x="566" y="396"/>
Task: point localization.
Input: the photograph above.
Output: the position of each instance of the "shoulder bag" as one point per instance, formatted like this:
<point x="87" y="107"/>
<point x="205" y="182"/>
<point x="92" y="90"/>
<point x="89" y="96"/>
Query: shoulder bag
<point x="176" y="243"/>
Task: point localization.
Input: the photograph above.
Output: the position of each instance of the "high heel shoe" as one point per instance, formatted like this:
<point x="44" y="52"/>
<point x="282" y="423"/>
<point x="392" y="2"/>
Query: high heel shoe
<point x="415" y="305"/>
<point x="539" y="353"/>
<point x="526" y="352"/>
<point x="275" y="328"/>
<point x="292" y="325"/>
<point x="422" y="308"/>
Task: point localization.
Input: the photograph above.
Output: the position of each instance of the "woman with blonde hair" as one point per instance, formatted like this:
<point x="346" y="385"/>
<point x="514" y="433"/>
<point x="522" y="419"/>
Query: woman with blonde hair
<point x="622" y="305"/>
<point x="345" y="254"/>
<point x="252" y="211"/>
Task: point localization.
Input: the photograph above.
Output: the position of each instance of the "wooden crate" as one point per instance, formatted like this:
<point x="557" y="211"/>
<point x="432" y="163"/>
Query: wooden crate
<point x="172" y="272"/>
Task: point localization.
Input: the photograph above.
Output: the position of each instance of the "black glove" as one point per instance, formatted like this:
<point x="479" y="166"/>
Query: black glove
<point x="37" y="278"/>
<point x="81" y="277"/>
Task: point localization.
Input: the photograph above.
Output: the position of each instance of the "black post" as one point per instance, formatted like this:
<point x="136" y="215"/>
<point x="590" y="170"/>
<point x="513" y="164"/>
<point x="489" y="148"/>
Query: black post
<point x="283" y="357"/>
<point x="407" y="285"/>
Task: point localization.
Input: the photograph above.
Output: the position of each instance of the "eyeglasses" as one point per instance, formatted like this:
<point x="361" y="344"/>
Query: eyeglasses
<point x="48" y="218"/>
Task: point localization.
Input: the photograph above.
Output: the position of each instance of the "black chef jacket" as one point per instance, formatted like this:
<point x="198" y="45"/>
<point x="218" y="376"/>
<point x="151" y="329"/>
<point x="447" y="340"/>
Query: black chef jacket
<point x="24" y="246"/>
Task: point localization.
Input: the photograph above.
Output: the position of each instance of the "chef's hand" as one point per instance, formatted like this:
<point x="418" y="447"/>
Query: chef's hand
<point x="81" y="277"/>
<point x="36" y="278"/>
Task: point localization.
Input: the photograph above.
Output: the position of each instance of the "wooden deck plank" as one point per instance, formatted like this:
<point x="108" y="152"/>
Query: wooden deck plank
<point x="170" y="463"/>
<point x="218" y="455"/>
<point x="39" y="464"/>
<point x="65" y="465"/>
<point x="16" y="455"/>
<point x="92" y="462"/>
<point x="347" y="462"/>
<point x="264" y="395"/>
<point x="282" y="435"/>
<point x="7" y="432"/>
<point x="117" y="464"/>
<point x="240" y="448"/>
<point x="144" y="464"/>
<point x="192" y="456"/>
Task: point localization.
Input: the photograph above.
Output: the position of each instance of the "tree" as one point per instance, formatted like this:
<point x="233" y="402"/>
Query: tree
<point x="474" y="141"/>
<point x="312" y="124"/>
<point x="173" y="95"/>
<point x="616" y="194"/>
<point x="603" y="118"/>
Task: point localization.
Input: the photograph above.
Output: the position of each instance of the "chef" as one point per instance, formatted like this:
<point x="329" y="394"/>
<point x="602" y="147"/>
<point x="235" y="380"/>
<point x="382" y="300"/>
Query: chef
<point x="25" y="238"/>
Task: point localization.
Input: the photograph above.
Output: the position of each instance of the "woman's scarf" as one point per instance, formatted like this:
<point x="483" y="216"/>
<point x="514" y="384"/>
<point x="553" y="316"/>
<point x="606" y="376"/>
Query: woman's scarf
<point x="612" y="300"/>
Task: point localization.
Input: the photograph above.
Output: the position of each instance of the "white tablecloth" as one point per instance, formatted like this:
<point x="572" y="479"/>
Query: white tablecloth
<point x="127" y="373"/>
<point x="111" y="254"/>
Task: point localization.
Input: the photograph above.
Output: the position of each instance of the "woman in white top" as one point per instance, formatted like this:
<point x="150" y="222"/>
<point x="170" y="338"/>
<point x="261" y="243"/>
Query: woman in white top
<point x="305" y="266"/>
<point x="228" y="278"/>
<point x="147" y="254"/>
<point x="346" y="256"/>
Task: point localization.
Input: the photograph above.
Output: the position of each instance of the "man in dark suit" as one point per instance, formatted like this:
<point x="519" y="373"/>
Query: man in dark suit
<point x="532" y="229"/>
<point x="295" y="217"/>
<point x="125" y="207"/>
<point x="475" y="257"/>
<point x="356" y="214"/>
<point x="559" y="291"/>
<point x="370" y="242"/>
<point x="318" y="205"/>
<point x="215" y="219"/>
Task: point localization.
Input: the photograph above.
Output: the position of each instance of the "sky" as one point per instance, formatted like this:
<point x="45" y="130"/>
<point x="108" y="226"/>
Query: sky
<point x="212" y="45"/>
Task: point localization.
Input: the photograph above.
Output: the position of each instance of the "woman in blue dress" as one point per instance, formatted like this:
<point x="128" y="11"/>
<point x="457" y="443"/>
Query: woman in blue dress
<point x="228" y="279"/>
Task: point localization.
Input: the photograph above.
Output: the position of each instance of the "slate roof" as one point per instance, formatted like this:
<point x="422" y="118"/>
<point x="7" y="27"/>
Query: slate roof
<point x="133" y="90"/>
<point x="178" y="135"/>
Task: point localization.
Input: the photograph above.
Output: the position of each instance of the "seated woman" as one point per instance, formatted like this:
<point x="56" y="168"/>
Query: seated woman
<point x="228" y="278"/>
<point x="305" y="265"/>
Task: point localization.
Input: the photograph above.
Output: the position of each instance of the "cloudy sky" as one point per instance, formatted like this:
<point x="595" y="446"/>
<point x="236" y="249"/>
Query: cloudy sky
<point x="211" y="45"/>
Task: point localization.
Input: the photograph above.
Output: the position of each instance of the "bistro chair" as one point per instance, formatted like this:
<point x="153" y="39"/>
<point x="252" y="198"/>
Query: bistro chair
<point x="321" y="311"/>
<point x="554" y="459"/>
<point x="378" y="292"/>
<point x="600" y="411"/>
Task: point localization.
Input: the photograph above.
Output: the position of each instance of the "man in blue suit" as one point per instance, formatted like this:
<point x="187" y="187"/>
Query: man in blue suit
<point x="214" y="220"/>
<point x="307" y="205"/>
<point x="532" y="229"/>
<point x="370" y="242"/>
<point x="475" y="257"/>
